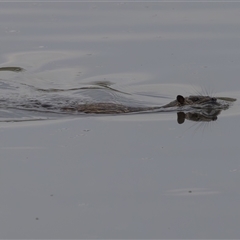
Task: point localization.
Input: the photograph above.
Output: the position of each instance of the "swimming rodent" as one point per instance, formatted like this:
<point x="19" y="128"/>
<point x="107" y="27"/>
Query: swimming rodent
<point x="197" y="101"/>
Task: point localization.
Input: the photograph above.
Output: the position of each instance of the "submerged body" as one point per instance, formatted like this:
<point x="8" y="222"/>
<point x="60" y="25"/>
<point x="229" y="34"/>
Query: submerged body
<point x="114" y="108"/>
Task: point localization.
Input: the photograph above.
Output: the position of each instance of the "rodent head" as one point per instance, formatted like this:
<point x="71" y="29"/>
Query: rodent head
<point x="193" y="100"/>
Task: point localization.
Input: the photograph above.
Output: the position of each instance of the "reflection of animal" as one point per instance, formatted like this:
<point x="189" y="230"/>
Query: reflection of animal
<point x="203" y="116"/>
<point x="114" y="108"/>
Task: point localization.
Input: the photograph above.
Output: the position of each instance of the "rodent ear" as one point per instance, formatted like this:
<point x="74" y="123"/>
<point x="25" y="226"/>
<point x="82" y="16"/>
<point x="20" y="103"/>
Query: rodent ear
<point x="180" y="99"/>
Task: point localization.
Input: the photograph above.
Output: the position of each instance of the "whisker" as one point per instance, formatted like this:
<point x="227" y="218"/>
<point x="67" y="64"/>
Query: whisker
<point x="196" y="91"/>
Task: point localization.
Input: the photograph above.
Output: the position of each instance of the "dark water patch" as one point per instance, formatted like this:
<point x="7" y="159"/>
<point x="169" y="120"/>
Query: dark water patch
<point x="12" y="69"/>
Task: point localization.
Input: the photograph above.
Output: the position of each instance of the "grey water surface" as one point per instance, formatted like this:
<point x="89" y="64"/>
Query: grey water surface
<point x="74" y="176"/>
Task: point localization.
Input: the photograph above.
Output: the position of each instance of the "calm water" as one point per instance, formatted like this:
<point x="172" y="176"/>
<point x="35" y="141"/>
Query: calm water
<point x="132" y="176"/>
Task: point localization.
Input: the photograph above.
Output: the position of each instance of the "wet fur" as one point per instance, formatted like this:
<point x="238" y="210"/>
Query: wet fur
<point x="113" y="108"/>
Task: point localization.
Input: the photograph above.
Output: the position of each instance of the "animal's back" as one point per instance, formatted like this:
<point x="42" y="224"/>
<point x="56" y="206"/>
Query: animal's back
<point x="115" y="108"/>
